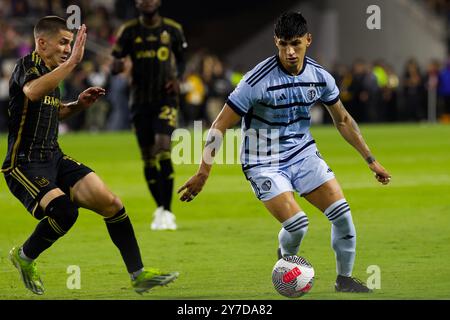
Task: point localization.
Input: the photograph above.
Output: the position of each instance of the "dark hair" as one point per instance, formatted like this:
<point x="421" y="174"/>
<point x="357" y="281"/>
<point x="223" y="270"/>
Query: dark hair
<point x="50" y="25"/>
<point x="290" y="25"/>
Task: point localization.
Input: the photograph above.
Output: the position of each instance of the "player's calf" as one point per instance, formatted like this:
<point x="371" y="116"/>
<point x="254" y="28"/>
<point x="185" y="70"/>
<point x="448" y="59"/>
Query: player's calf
<point x="61" y="215"/>
<point x="292" y="233"/>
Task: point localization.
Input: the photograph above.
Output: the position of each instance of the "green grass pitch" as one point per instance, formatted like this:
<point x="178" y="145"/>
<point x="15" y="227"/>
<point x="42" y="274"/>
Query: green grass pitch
<point x="225" y="247"/>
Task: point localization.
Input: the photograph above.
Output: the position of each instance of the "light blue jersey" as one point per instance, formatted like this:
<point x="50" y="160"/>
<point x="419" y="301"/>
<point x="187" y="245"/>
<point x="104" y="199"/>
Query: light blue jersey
<point x="275" y="107"/>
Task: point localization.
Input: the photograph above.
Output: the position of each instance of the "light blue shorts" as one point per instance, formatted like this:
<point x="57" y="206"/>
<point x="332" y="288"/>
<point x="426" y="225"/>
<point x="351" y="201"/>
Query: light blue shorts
<point x="300" y="175"/>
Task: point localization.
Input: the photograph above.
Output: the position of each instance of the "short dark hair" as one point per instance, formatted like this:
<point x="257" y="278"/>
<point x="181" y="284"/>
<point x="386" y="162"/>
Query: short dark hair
<point x="50" y="25"/>
<point x="290" y="25"/>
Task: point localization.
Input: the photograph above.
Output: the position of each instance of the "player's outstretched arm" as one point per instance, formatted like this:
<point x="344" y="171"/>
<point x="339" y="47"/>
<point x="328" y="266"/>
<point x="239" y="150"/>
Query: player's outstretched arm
<point x="85" y="100"/>
<point x="349" y="129"/>
<point x="226" y="119"/>
<point x="38" y="88"/>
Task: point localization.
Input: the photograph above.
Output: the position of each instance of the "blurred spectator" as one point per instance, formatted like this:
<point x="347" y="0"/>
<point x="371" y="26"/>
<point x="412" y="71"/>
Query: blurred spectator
<point x="369" y="93"/>
<point x="389" y="95"/>
<point x="363" y="89"/>
<point x="118" y="94"/>
<point x="193" y="93"/>
<point x="97" y="76"/>
<point x="431" y="86"/>
<point x="444" y="92"/>
<point x="72" y="87"/>
<point x="218" y="86"/>
<point x="414" y="107"/>
<point x="19" y="8"/>
<point x="4" y="98"/>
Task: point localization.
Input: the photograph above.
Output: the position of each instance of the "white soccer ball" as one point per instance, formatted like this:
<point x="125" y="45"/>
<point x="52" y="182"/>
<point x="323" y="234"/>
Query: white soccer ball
<point x="293" y="276"/>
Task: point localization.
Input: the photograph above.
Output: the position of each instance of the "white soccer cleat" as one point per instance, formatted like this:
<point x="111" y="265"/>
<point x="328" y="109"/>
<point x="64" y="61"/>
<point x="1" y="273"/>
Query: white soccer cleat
<point x="159" y="221"/>
<point x="170" y="220"/>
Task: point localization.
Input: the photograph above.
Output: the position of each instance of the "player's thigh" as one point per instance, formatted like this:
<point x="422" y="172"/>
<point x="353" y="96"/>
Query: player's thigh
<point x="92" y="193"/>
<point x="325" y="195"/>
<point x="145" y="135"/>
<point x="275" y="190"/>
<point x="314" y="180"/>
<point x="34" y="187"/>
<point x="283" y="206"/>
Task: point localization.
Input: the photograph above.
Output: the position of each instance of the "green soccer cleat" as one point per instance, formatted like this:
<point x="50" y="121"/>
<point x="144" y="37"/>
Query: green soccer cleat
<point x="27" y="271"/>
<point x="151" y="278"/>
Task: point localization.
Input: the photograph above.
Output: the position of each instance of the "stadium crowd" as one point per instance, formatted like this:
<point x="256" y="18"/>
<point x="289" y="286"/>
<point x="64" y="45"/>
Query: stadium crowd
<point x="371" y="90"/>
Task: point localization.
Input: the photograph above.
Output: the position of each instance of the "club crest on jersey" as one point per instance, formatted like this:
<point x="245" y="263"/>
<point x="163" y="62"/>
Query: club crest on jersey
<point x="266" y="185"/>
<point x="165" y="37"/>
<point x="311" y="94"/>
<point x="41" y="181"/>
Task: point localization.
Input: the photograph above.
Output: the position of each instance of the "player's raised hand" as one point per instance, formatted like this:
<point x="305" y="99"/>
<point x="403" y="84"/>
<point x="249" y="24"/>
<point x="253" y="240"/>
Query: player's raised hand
<point x="173" y="86"/>
<point x="380" y="173"/>
<point x="89" y="96"/>
<point x="192" y="187"/>
<point x="78" y="47"/>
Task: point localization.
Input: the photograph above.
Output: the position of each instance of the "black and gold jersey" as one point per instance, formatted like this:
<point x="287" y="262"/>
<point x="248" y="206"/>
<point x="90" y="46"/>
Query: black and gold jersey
<point x="157" y="54"/>
<point x="33" y="125"/>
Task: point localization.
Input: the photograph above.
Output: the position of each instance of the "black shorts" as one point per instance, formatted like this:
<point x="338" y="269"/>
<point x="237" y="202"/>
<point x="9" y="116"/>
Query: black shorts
<point x="30" y="181"/>
<point x="162" y="122"/>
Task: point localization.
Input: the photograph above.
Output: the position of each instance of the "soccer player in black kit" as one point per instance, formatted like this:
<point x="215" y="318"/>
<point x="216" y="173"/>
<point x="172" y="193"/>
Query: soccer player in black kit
<point x="156" y="46"/>
<point x="52" y="185"/>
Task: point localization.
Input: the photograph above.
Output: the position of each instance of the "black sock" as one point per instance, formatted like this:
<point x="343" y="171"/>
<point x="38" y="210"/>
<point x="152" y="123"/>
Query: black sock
<point x="61" y="214"/>
<point x="166" y="175"/>
<point x="152" y="177"/>
<point x="122" y="234"/>
<point x="41" y="239"/>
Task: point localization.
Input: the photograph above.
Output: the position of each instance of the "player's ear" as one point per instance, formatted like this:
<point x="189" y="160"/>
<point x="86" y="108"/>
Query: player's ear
<point x="308" y="39"/>
<point x="41" y="43"/>
<point x="275" y="39"/>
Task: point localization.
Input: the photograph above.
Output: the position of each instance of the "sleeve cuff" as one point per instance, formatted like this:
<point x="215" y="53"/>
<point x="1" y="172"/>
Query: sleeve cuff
<point x="235" y="108"/>
<point x="331" y="102"/>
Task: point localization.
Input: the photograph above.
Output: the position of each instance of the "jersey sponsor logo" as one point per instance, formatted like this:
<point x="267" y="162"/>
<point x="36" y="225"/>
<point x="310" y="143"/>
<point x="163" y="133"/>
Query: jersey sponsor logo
<point x="163" y="53"/>
<point x="165" y="37"/>
<point x="151" y="38"/>
<point x="266" y="185"/>
<point x="138" y="40"/>
<point x="52" y="101"/>
<point x="311" y="93"/>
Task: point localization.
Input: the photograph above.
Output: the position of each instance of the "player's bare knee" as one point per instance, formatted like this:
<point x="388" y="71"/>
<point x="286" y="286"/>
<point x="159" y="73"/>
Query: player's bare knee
<point x="113" y="205"/>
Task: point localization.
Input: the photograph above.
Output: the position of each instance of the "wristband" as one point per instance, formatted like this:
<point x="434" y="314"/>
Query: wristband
<point x="370" y="159"/>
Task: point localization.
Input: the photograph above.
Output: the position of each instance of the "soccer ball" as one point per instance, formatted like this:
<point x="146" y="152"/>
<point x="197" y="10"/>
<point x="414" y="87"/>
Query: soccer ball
<point x="293" y="276"/>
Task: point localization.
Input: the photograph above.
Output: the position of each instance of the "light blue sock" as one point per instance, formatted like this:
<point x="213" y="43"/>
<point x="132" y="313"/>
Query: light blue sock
<point x="292" y="233"/>
<point x="343" y="236"/>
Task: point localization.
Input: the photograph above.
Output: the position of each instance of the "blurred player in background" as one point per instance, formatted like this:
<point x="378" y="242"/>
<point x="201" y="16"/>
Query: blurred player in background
<point x="156" y="46"/>
<point x="52" y="185"/>
<point x="274" y="100"/>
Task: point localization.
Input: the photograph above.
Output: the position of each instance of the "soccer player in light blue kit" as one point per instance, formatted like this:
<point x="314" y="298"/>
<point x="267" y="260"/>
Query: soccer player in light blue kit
<point x="278" y="153"/>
